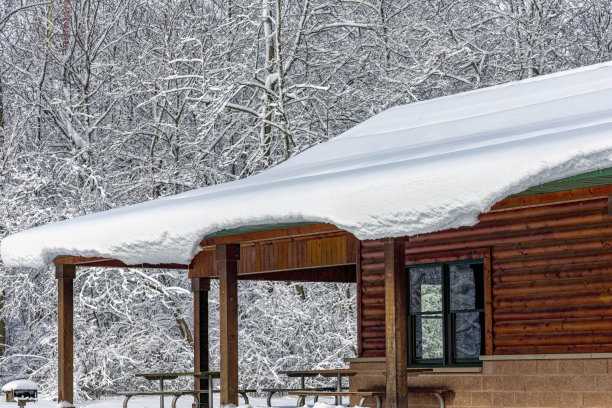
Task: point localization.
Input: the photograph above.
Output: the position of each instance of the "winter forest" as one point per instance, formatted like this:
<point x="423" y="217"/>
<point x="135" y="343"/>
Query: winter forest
<point x="105" y="103"/>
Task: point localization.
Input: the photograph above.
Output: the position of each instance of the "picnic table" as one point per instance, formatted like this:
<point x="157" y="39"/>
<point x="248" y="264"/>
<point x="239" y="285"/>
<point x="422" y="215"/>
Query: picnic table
<point x="337" y="373"/>
<point x="161" y="377"/>
<point x="301" y="374"/>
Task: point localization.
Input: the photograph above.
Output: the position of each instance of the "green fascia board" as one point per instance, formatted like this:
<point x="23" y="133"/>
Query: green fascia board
<point x="597" y="178"/>
<point x="255" y="228"/>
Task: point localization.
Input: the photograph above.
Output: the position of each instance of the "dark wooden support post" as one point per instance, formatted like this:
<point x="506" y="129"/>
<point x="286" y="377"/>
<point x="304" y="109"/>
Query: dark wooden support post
<point x="200" y="288"/>
<point x="395" y="323"/>
<point x="359" y="298"/>
<point x="65" y="275"/>
<point x="227" y="258"/>
<point x="2" y="328"/>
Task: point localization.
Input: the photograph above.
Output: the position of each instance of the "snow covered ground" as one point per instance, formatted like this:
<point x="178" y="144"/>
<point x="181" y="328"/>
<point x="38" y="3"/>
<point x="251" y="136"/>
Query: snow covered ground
<point x="183" y="402"/>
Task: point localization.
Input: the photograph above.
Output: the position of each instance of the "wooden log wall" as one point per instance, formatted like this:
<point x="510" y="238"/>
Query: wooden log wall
<point x="550" y="273"/>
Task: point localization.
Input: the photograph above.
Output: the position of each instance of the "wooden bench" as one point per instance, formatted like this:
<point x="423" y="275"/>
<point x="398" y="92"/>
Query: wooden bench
<point x="362" y="394"/>
<point x="436" y="392"/>
<point x="272" y="391"/>
<point x="177" y="394"/>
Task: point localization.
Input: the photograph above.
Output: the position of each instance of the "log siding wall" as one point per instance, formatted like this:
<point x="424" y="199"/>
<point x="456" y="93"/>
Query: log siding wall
<point x="550" y="273"/>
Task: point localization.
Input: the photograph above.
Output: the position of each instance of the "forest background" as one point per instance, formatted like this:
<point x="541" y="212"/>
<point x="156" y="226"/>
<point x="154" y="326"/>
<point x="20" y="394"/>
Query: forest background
<point x="106" y="103"/>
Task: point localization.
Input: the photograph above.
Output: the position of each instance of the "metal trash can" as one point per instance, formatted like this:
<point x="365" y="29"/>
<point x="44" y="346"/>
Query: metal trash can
<point x="21" y="391"/>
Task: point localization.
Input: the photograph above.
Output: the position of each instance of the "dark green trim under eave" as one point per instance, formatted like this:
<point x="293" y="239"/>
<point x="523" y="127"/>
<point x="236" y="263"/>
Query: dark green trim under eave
<point x="256" y="228"/>
<point x="595" y="178"/>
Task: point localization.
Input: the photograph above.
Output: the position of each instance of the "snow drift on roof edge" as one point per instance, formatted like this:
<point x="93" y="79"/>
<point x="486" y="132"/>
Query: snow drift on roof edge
<point x="19" y="385"/>
<point x="378" y="189"/>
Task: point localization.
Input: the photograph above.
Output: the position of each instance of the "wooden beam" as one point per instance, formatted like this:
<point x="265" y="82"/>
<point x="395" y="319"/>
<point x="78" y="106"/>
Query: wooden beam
<point x="395" y="323"/>
<point x="488" y="295"/>
<point x="65" y="275"/>
<point x="562" y="196"/>
<point x="274" y="255"/>
<point x="227" y="259"/>
<point x="337" y="273"/>
<point x="200" y="288"/>
<point x="358" y="294"/>
<point x="111" y="263"/>
<point x="2" y="328"/>
<point x="293" y="232"/>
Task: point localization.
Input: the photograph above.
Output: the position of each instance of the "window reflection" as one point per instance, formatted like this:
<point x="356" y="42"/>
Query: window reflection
<point x="446" y="305"/>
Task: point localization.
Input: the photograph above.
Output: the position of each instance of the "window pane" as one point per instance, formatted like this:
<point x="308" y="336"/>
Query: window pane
<point x="465" y="286"/>
<point x="467" y="335"/>
<point x="429" y="338"/>
<point x="426" y="289"/>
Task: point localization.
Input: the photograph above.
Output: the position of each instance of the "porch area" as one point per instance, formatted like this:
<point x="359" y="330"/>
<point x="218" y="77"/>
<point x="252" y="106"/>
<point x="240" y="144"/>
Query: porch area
<point x="297" y="253"/>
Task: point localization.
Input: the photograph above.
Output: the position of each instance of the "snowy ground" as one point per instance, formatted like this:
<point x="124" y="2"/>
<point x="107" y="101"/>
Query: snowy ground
<point x="183" y="402"/>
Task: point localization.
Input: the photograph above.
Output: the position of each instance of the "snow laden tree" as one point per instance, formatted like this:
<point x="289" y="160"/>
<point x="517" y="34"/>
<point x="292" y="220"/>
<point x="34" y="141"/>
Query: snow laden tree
<point x="279" y="100"/>
<point x="594" y="32"/>
<point x="534" y="36"/>
<point x="105" y="103"/>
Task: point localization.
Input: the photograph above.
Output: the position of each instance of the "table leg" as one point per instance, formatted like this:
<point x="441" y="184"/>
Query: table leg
<point x="210" y="391"/>
<point x="338" y="388"/>
<point x="161" y="397"/>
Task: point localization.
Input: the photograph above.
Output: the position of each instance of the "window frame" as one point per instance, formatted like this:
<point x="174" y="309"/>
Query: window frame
<point x="449" y="341"/>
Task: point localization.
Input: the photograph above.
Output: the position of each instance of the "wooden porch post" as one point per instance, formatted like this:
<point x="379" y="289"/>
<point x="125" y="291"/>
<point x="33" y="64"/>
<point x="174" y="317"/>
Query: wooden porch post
<point x="200" y="288"/>
<point x="227" y="258"/>
<point x="395" y="323"/>
<point x="65" y="274"/>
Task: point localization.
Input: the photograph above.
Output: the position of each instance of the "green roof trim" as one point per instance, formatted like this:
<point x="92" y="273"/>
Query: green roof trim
<point x="256" y="228"/>
<point x="597" y="178"/>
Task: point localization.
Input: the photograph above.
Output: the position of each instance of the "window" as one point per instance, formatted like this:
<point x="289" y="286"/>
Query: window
<point x="446" y="312"/>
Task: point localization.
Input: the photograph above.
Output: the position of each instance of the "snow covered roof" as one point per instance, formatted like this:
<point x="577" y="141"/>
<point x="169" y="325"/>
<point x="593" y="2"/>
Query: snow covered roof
<point x="411" y="169"/>
<point x="20" y="385"/>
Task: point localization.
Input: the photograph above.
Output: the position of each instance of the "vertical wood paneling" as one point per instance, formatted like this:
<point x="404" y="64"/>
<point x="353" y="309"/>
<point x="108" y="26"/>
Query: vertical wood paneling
<point x="284" y="254"/>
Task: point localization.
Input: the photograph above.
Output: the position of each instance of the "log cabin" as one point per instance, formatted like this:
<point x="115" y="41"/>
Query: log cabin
<point x="476" y="227"/>
<point x="539" y="303"/>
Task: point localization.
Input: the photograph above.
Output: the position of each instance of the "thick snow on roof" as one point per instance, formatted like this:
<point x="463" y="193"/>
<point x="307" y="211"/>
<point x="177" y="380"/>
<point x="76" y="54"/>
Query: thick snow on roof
<point x="412" y="169"/>
<point x="20" y="385"/>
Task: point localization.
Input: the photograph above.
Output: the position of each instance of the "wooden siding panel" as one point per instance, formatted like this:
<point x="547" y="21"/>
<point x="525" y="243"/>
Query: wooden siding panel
<point x="373" y="284"/>
<point x="335" y="248"/>
<point x="550" y="273"/>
